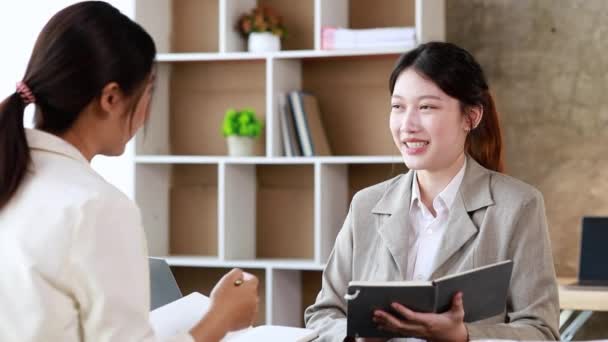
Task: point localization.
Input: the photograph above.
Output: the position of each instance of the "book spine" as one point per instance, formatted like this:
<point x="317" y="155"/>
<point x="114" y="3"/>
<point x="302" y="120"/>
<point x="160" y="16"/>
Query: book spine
<point x="302" y="127"/>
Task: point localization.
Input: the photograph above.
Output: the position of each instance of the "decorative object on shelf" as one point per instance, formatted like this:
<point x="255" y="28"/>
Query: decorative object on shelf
<point x="263" y="29"/>
<point x="241" y="127"/>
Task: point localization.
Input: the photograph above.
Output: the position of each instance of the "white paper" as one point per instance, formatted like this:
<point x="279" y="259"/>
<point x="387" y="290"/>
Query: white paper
<point x="179" y="316"/>
<point x="182" y="315"/>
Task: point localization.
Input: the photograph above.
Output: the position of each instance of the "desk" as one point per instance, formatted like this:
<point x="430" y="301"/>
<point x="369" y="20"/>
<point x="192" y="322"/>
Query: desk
<point x="577" y="306"/>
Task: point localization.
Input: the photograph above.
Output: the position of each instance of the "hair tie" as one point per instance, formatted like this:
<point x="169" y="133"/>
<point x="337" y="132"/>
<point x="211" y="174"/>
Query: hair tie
<point x="25" y="92"/>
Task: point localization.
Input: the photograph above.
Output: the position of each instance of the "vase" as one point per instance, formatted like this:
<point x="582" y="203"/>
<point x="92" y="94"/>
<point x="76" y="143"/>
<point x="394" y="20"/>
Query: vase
<point x="240" y="146"/>
<point x="263" y="42"/>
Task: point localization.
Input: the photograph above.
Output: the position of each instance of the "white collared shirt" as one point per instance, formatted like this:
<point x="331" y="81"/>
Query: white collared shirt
<point x="428" y="229"/>
<point x="73" y="254"/>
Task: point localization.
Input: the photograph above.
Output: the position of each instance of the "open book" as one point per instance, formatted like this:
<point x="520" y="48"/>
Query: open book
<point x="484" y="295"/>
<point x="181" y="315"/>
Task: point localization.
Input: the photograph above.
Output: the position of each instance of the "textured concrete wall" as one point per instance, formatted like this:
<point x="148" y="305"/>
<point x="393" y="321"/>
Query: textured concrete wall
<point x="547" y="63"/>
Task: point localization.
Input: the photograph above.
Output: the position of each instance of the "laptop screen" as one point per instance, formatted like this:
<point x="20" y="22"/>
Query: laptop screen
<point x="163" y="287"/>
<point x="594" y="249"/>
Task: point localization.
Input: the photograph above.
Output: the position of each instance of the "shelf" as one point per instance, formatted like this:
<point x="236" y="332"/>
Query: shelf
<point x="151" y="159"/>
<point x="231" y="56"/>
<point x="277" y="217"/>
<point x="282" y="264"/>
<point x="191" y="279"/>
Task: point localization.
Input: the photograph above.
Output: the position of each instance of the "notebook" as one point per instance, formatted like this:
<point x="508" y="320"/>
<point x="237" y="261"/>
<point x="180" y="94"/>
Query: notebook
<point x="484" y="296"/>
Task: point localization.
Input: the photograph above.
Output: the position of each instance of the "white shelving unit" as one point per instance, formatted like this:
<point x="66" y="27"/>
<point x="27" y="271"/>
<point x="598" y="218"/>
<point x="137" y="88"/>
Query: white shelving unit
<point x="274" y="216"/>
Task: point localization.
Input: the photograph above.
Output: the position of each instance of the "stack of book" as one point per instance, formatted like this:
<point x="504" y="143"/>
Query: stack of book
<point x="302" y="131"/>
<point x="333" y="38"/>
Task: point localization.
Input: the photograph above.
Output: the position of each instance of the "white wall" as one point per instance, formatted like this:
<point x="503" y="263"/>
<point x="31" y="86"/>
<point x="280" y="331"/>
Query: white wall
<point x="20" y="23"/>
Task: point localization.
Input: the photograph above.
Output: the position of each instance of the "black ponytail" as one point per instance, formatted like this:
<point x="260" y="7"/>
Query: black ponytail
<point x="14" y="152"/>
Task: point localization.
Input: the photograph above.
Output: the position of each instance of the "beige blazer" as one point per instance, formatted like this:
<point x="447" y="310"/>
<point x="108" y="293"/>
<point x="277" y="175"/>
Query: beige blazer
<point x="494" y="217"/>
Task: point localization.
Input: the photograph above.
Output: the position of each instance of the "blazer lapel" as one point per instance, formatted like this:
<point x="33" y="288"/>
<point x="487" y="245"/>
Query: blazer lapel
<point x="474" y="194"/>
<point x="395" y="229"/>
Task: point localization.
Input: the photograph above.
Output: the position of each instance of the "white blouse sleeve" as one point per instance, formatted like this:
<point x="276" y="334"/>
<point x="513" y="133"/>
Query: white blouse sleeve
<point x="108" y="269"/>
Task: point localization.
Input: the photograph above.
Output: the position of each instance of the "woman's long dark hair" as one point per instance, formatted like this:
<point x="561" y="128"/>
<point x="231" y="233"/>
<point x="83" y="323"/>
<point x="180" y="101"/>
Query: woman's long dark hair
<point x="458" y="74"/>
<point x="80" y="50"/>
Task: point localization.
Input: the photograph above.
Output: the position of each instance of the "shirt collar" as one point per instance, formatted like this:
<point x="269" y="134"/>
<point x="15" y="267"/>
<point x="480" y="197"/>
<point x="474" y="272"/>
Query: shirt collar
<point x="446" y="196"/>
<point x="43" y="141"/>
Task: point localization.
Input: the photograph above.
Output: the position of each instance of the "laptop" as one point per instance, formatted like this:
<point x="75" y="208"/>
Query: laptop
<point x="163" y="287"/>
<point x="593" y="264"/>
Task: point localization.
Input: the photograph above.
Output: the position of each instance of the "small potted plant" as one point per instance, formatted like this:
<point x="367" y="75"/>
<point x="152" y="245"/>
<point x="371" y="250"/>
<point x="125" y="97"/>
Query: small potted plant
<point x="241" y="127"/>
<point x="263" y="29"/>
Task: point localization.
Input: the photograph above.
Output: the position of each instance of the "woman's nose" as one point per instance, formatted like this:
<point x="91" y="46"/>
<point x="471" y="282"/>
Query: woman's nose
<point x="409" y="121"/>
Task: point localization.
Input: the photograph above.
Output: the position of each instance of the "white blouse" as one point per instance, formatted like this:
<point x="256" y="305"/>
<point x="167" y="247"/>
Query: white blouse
<point x="429" y="229"/>
<point x="73" y="254"/>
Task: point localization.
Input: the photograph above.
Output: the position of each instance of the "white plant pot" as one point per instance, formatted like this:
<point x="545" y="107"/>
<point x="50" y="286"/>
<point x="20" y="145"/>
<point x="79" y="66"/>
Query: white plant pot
<point x="263" y="42"/>
<point x="240" y="146"/>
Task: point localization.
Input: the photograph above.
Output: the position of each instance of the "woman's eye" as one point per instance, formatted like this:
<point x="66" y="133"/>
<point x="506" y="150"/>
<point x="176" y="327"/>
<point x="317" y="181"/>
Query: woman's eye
<point x="426" y="107"/>
<point x="395" y="106"/>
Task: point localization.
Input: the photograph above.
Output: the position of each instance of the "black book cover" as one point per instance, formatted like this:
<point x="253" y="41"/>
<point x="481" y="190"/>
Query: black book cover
<point x="484" y="295"/>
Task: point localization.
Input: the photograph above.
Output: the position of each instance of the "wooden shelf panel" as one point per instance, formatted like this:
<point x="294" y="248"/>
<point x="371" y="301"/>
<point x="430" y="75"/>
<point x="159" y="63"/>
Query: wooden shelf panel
<point x="283" y="264"/>
<point x="191" y="279"/>
<point x="285" y="217"/>
<point x="193" y="211"/>
<point x="195" y="26"/>
<point x="386" y="13"/>
<point x="232" y="56"/>
<point x="181" y="25"/>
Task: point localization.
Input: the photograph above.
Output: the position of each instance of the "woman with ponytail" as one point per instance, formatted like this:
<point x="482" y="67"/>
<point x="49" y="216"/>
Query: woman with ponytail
<point x="453" y="211"/>
<point x="74" y="258"/>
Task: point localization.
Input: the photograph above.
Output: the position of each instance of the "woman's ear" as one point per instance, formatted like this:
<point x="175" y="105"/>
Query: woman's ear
<point x="473" y="117"/>
<point x="111" y="100"/>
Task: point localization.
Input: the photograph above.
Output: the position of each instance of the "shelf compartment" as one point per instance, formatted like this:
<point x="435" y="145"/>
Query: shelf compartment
<point x="181" y="25"/>
<point x="285" y="215"/>
<point x="200" y="95"/>
<point x="190" y="102"/>
<point x="269" y="212"/>
<point x="299" y="289"/>
<point x="298" y="18"/>
<point x="179" y="205"/>
<point x="353" y="96"/>
<point x="203" y="279"/>
<point x="354" y="102"/>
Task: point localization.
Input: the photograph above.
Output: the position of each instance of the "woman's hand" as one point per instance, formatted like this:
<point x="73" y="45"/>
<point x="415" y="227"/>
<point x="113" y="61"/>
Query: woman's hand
<point x="446" y="327"/>
<point x="232" y="307"/>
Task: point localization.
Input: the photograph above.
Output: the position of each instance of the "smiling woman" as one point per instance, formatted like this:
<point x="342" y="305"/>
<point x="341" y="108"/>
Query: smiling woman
<point x="445" y="125"/>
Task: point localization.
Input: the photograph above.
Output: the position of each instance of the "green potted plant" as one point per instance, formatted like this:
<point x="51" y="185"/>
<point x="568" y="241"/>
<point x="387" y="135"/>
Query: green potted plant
<point x="241" y="128"/>
<point x="263" y="29"/>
